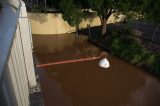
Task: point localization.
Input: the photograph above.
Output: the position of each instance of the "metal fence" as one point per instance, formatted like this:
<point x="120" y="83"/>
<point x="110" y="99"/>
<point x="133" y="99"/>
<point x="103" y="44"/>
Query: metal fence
<point x="149" y="34"/>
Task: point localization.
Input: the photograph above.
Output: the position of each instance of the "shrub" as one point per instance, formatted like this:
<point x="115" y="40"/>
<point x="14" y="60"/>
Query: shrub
<point x="139" y="54"/>
<point x="149" y="61"/>
<point x="125" y="46"/>
<point x="122" y="44"/>
<point x="116" y="46"/>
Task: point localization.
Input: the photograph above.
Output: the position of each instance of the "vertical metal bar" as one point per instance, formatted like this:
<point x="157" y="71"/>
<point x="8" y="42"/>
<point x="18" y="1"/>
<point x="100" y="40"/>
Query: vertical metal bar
<point x="150" y="43"/>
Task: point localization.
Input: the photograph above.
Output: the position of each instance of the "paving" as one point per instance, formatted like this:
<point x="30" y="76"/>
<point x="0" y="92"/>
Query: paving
<point x="35" y="94"/>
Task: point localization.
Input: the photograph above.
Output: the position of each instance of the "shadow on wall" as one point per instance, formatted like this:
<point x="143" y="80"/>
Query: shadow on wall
<point x="49" y="23"/>
<point x="54" y="15"/>
<point x="41" y="17"/>
<point x="89" y="15"/>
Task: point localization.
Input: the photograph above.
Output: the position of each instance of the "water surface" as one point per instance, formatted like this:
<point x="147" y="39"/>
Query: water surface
<point x="85" y="83"/>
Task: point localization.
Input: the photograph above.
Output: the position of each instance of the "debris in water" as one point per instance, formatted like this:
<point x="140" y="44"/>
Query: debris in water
<point x="104" y="63"/>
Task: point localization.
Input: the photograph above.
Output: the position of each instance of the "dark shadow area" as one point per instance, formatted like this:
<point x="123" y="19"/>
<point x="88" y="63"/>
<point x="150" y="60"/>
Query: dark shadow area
<point x="41" y="17"/>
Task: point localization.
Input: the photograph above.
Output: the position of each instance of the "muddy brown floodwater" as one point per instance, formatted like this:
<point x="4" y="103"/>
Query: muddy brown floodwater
<point x="85" y="83"/>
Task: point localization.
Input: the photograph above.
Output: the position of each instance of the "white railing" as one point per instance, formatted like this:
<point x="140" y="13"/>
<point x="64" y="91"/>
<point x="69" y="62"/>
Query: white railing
<point x="17" y="72"/>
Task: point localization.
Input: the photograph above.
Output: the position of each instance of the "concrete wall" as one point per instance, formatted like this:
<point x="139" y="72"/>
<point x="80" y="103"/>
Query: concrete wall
<point x="53" y="23"/>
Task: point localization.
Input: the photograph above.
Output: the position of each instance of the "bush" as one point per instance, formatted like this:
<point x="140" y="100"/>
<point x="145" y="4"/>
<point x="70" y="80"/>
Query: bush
<point x="126" y="47"/>
<point x="136" y="54"/>
<point x="122" y="44"/>
<point x="118" y="40"/>
<point x="149" y="61"/>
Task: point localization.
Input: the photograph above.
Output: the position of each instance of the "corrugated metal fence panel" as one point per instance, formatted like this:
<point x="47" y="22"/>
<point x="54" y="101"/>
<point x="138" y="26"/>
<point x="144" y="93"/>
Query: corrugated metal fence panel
<point x="14" y="81"/>
<point x="27" y="49"/>
<point x="18" y="73"/>
<point x="22" y="61"/>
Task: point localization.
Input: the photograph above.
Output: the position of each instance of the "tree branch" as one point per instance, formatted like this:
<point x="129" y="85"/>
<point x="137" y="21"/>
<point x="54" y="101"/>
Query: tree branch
<point x="109" y="13"/>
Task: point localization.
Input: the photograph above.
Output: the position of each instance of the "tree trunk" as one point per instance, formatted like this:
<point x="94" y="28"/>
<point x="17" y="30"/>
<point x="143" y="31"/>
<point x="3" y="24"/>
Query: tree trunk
<point x="103" y="27"/>
<point x="104" y="18"/>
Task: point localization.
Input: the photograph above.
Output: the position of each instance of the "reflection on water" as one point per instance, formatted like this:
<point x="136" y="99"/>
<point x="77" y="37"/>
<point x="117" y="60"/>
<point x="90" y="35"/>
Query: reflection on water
<point x="147" y="95"/>
<point x="85" y="83"/>
<point x="60" y="47"/>
<point x="55" y="43"/>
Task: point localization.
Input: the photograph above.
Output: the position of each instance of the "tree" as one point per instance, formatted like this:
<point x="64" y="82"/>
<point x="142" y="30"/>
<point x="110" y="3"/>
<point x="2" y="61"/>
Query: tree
<point x="104" y="9"/>
<point x="73" y="10"/>
<point x="151" y="11"/>
<point x="70" y="13"/>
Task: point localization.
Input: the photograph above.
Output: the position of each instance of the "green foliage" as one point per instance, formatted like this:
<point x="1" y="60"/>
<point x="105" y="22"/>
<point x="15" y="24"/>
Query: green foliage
<point x="149" y="61"/>
<point x="73" y="10"/>
<point x="70" y="13"/>
<point x="101" y="6"/>
<point x="151" y="10"/>
<point x="126" y="47"/>
<point x="130" y="8"/>
<point x="140" y="55"/>
<point x="38" y="9"/>
<point x="123" y="45"/>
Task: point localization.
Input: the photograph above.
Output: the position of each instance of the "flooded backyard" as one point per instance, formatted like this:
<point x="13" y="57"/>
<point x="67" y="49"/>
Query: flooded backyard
<point x="85" y="83"/>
